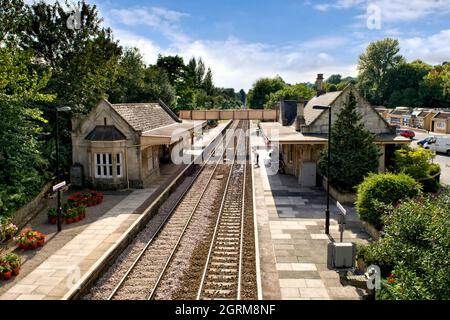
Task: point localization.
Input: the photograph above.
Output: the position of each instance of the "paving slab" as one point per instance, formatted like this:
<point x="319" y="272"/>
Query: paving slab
<point x="292" y="239"/>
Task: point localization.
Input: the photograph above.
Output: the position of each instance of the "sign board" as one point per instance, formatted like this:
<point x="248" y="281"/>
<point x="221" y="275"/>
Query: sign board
<point x="58" y="186"/>
<point x="341" y="208"/>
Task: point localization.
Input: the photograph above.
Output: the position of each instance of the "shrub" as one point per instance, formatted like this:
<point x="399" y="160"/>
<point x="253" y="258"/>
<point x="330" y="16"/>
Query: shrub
<point x="379" y="190"/>
<point x="415" y="248"/>
<point x="417" y="163"/>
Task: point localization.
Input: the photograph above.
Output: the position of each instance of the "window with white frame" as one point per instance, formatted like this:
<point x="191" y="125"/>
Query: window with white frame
<point x="119" y="165"/>
<point x="440" y="125"/>
<point x="103" y="165"/>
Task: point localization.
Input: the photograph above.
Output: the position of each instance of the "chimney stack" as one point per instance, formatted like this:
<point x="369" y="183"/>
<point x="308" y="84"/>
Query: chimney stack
<point x="319" y="84"/>
<point x="300" y="119"/>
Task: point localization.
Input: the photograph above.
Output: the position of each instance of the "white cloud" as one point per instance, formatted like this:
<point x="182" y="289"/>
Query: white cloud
<point x="147" y="48"/>
<point x="393" y="10"/>
<point x="238" y="64"/>
<point x="433" y="49"/>
<point x="157" y="18"/>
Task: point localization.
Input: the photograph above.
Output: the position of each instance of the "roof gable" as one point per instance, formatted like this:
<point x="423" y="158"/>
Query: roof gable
<point x="315" y="119"/>
<point x="325" y="99"/>
<point x="105" y="133"/>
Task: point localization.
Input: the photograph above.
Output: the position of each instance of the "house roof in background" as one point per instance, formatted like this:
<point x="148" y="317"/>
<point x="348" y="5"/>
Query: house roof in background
<point x="442" y="115"/>
<point x="401" y="112"/>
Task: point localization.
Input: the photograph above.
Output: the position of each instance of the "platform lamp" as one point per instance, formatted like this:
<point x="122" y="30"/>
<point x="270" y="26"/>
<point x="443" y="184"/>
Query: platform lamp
<point x="327" y="211"/>
<point x="59" y="209"/>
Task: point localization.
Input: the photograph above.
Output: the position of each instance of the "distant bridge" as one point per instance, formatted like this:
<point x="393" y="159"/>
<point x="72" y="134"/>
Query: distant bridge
<point x="247" y="114"/>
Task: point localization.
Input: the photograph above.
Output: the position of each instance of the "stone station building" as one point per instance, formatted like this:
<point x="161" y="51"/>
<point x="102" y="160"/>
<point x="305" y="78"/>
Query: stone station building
<point x="301" y="132"/>
<point x="122" y="145"/>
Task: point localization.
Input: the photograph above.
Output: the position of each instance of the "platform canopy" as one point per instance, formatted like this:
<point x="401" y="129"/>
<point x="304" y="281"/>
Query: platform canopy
<point x="170" y="134"/>
<point x="276" y="133"/>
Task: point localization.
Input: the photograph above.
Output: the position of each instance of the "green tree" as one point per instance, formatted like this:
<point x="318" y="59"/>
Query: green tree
<point x="435" y="87"/>
<point x="403" y="88"/>
<point x="415" y="249"/>
<point x="207" y="83"/>
<point x="290" y="92"/>
<point x="260" y="93"/>
<point x="173" y="66"/>
<point x="83" y="60"/>
<point x="334" y="79"/>
<point x="13" y="18"/>
<point x="374" y="67"/>
<point x="129" y="85"/>
<point x="353" y="153"/>
<point x="242" y="96"/>
<point x="21" y="163"/>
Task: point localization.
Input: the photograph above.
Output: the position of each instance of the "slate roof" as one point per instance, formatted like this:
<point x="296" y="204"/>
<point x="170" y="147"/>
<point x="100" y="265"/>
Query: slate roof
<point x="324" y="99"/>
<point x="401" y="112"/>
<point x="442" y="115"/>
<point x="144" y="116"/>
<point x="424" y="113"/>
<point x="105" y="133"/>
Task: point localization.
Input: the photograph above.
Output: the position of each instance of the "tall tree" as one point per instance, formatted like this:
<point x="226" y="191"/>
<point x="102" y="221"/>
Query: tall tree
<point x="260" y="93"/>
<point x="129" y="85"/>
<point x="353" y="153"/>
<point x="207" y="84"/>
<point x="83" y="60"/>
<point x="22" y="167"/>
<point x="403" y="88"/>
<point x="173" y="66"/>
<point x="13" y="19"/>
<point x="242" y="96"/>
<point x="374" y="66"/>
<point x="290" y="92"/>
<point x="435" y="87"/>
<point x="334" y="79"/>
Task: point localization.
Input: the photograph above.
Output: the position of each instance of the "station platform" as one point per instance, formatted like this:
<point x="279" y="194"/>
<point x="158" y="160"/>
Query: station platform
<point x="291" y="235"/>
<point x="70" y="257"/>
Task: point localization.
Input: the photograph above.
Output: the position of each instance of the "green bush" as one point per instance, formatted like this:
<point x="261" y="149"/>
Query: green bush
<point x="379" y="190"/>
<point x="415" y="248"/>
<point x="418" y="164"/>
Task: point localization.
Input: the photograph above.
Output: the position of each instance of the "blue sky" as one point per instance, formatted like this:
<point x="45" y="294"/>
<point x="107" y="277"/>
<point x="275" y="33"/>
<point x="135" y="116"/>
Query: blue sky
<point x="296" y="39"/>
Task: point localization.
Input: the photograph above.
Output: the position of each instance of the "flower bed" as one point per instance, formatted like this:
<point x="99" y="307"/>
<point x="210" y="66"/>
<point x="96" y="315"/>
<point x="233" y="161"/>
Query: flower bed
<point x="9" y="266"/>
<point x="69" y="214"/>
<point x="30" y="239"/>
<point x="86" y="199"/>
<point x="7" y="230"/>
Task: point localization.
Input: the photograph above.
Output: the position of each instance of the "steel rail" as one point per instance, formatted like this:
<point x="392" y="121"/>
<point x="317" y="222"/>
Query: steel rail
<point x="216" y="228"/>
<point x="169" y="215"/>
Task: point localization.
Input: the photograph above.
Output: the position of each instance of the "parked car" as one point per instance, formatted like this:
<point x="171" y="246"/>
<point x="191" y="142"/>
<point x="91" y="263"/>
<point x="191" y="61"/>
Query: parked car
<point x="407" y="134"/>
<point x="424" y="141"/>
<point x="439" y="144"/>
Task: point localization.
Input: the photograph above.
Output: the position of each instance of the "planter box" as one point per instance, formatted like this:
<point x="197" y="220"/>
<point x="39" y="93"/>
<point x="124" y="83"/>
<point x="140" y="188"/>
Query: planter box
<point x="342" y="197"/>
<point x="374" y="233"/>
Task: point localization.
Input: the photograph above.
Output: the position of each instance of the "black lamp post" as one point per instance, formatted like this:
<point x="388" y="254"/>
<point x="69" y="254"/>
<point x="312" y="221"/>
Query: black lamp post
<point x="327" y="211"/>
<point x="59" y="209"/>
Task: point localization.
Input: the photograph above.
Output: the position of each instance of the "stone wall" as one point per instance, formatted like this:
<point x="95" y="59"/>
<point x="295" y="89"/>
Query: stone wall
<point x="32" y="208"/>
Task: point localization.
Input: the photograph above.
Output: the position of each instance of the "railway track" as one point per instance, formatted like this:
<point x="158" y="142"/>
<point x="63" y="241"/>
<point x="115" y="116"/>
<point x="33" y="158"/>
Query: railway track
<point x="222" y="275"/>
<point x="140" y="281"/>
